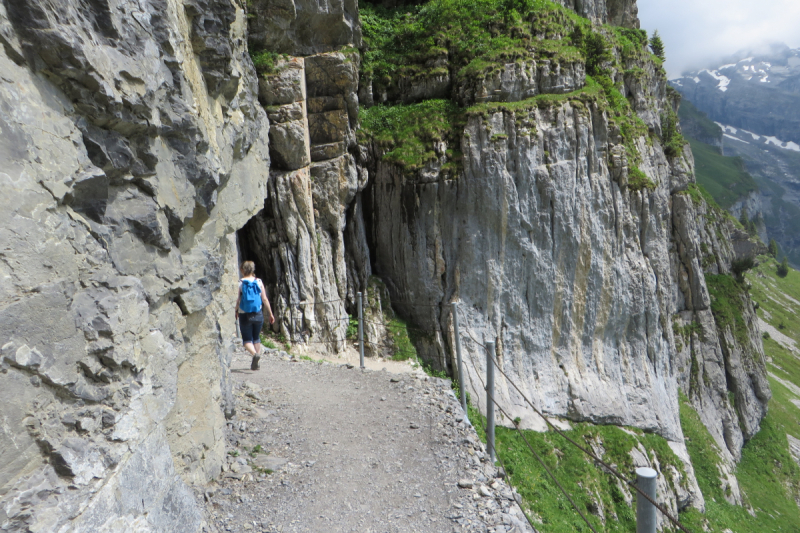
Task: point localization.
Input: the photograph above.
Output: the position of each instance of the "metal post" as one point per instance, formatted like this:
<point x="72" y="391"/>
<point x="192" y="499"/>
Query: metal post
<point x="490" y="399"/>
<point x="462" y="386"/>
<point x="361" y="328"/>
<point x="646" y="511"/>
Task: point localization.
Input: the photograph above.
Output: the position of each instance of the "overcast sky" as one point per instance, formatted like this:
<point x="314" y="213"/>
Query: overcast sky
<point x="696" y="32"/>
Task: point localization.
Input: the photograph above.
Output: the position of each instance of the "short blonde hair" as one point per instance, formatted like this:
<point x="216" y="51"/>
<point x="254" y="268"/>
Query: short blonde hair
<point x="248" y="268"/>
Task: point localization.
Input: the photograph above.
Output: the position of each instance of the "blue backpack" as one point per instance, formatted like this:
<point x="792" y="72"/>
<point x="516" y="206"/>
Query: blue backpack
<point x="251" y="297"/>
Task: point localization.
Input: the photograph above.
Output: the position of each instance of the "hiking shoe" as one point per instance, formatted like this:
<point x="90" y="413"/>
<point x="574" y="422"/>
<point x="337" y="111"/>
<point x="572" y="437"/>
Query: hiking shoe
<point x="254" y="364"/>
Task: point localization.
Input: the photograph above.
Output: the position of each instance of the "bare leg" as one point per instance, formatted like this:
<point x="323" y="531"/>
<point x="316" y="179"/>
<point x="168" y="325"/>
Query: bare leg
<point x="255" y="352"/>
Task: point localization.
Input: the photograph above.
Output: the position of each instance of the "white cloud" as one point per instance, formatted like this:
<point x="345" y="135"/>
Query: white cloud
<point x="696" y="32"/>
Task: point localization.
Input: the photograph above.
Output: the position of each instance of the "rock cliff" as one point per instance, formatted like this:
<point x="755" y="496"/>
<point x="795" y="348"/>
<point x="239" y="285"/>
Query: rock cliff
<point x="132" y="147"/>
<point x="145" y="154"/>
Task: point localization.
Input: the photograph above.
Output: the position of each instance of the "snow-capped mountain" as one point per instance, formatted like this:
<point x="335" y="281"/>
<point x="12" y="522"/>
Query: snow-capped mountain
<point x="755" y="92"/>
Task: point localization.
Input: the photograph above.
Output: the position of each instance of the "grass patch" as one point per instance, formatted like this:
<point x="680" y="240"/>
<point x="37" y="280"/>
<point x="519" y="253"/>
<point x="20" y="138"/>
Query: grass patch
<point x="638" y="180"/>
<point x="768" y="477"/>
<point x="403" y="347"/>
<point x="728" y="298"/>
<point x="590" y="487"/>
<point x="777" y="297"/>
<point x="725" y="178"/>
<point x="407" y="133"/>
<point x="267" y="342"/>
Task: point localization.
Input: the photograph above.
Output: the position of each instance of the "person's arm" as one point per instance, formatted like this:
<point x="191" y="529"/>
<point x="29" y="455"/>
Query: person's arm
<point x="265" y="301"/>
<point x="238" y="300"/>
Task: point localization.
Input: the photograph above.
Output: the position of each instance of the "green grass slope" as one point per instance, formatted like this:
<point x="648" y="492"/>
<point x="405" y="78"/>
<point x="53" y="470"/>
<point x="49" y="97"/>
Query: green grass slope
<point x="724" y="177"/>
<point x="696" y="124"/>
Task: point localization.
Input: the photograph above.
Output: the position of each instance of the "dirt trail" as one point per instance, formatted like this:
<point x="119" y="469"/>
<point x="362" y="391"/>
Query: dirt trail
<point x="338" y="449"/>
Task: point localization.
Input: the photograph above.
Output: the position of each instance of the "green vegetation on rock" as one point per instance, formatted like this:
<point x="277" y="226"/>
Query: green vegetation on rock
<point x="475" y="37"/>
<point x="671" y="138"/>
<point x="728" y="298"/>
<point x="408" y="132"/>
<point x="592" y="489"/>
<point x="264" y="61"/>
<point x="471" y="40"/>
<point x="768" y="476"/>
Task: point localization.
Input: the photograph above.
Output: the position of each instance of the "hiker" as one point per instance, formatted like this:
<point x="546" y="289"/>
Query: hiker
<point x="250" y="303"/>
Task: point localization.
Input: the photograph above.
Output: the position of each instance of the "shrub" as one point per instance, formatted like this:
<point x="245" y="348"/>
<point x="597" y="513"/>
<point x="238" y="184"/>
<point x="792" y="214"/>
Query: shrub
<point x="670" y="136"/>
<point x="783" y="267"/>
<point x="740" y="266"/>
<point x="264" y="61"/>
<point x="773" y="248"/>
<point x="594" y="48"/>
<point x="352" y="327"/>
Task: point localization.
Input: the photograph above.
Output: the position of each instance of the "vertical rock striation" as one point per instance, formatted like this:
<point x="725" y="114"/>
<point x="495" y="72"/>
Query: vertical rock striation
<point x="132" y="148"/>
<point x="143" y="158"/>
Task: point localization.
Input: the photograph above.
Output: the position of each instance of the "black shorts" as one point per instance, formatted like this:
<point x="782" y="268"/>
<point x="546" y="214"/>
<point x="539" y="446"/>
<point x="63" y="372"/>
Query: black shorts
<point x="250" y="325"/>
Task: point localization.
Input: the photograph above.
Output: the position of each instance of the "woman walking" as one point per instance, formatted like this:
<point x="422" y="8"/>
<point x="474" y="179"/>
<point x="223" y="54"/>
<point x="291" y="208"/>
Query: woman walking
<point x="250" y="303"/>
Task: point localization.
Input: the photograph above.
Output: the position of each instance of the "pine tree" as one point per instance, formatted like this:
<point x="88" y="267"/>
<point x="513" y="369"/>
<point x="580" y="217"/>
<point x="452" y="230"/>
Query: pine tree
<point x="657" y="45"/>
<point x="743" y="218"/>
<point x="783" y="268"/>
<point x="773" y="248"/>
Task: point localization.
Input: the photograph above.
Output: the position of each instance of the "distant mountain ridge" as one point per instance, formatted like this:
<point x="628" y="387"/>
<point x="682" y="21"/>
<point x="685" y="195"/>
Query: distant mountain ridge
<point x="749" y="107"/>
<point x="758" y="93"/>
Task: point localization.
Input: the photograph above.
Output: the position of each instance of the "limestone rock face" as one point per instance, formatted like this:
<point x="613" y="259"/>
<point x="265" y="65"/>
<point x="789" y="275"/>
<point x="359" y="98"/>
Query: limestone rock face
<point x="303" y="27"/>
<point x="518" y="81"/>
<point x="615" y="12"/>
<point x="299" y="240"/>
<point x="583" y="282"/>
<point x="132" y="147"/>
<point x="142" y="159"/>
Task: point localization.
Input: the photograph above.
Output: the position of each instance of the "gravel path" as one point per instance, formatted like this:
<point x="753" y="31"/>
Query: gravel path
<point x="322" y="447"/>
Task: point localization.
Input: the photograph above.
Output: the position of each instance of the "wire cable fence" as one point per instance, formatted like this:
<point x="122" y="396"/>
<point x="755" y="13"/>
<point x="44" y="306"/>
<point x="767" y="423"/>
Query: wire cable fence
<point x="528" y="444"/>
<point x="552" y="426"/>
<point x="491" y="403"/>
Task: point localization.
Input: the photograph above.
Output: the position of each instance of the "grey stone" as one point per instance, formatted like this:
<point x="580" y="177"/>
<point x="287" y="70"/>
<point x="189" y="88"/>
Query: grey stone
<point x="289" y="147"/>
<point x="286" y="85"/>
<point x="303" y="27"/>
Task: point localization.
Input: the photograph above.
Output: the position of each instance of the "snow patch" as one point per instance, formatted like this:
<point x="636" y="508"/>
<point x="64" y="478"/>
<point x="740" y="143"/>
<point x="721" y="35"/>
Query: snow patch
<point x="696" y="79"/>
<point x="726" y="128"/>
<point x="765" y="79"/>
<point x="735" y="138"/>
<point x="723" y="80"/>
<point x="723" y="67"/>
<point x="781" y="144"/>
